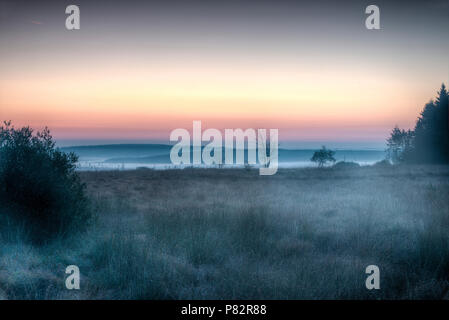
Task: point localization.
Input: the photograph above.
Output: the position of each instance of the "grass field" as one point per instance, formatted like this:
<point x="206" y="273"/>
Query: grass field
<point x="232" y="234"/>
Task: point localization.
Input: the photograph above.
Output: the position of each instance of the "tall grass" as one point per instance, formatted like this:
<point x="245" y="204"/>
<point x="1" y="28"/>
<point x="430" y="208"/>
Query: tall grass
<point x="231" y="234"/>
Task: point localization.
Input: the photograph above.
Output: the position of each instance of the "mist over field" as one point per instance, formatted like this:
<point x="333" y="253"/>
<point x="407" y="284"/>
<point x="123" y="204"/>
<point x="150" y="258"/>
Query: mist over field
<point x="95" y="96"/>
<point x="157" y="156"/>
<point x="306" y="232"/>
<point x="232" y="234"/>
<point x="139" y="231"/>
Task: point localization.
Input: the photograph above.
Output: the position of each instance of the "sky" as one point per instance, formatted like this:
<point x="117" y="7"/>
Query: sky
<point x="138" y="69"/>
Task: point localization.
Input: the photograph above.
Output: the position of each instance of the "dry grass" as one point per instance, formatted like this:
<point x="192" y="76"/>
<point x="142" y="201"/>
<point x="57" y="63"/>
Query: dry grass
<point x="232" y="234"/>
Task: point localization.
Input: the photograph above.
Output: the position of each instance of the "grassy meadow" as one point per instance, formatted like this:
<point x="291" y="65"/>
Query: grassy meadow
<point x="232" y="234"/>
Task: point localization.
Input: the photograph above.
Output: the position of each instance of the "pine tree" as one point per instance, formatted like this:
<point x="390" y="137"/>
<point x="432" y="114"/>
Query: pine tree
<point x="442" y="106"/>
<point x="429" y="141"/>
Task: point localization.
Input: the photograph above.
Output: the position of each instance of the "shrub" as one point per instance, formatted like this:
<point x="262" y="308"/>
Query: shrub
<point x="39" y="187"/>
<point x="382" y="164"/>
<point x="346" y="165"/>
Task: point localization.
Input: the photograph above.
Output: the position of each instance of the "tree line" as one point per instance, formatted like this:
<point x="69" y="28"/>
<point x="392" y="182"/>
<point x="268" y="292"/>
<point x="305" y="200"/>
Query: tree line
<point x="428" y="142"/>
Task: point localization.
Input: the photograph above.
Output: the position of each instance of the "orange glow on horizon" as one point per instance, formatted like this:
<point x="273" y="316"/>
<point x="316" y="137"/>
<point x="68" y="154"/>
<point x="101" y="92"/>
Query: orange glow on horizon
<point x="126" y="101"/>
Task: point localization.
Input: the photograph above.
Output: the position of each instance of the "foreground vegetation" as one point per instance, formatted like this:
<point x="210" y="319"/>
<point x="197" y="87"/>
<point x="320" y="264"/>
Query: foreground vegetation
<point x="232" y="234"/>
<point x="40" y="189"/>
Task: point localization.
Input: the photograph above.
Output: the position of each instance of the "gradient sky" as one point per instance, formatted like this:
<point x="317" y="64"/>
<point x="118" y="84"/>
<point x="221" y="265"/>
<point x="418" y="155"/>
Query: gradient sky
<point x="138" y="69"/>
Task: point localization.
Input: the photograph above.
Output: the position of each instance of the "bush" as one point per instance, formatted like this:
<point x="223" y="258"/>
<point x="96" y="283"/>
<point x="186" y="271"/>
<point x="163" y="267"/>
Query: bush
<point x="346" y="165"/>
<point x="382" y="164"/>
<point x="39" y="187"/>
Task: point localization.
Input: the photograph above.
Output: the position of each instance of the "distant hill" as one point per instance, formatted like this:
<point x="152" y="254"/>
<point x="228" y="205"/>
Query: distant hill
<point x="118" y="150"/>
<point x="160" y="153"/>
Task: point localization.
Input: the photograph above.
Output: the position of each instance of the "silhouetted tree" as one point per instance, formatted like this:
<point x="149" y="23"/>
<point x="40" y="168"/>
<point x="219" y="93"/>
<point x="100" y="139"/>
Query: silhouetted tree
<point x="442" y="105"/>
<point x="323" y="156"/>
<point x="429" y="141"/>
<point x="400" y="145"/>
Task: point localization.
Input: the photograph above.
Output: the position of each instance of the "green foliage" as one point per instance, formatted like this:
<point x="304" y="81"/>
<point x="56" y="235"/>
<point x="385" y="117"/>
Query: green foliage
<point x="39" y="187"/>
<point x="400" y="145"/>
<point x="323" y="156"/>
<point x="428" y="143"/>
